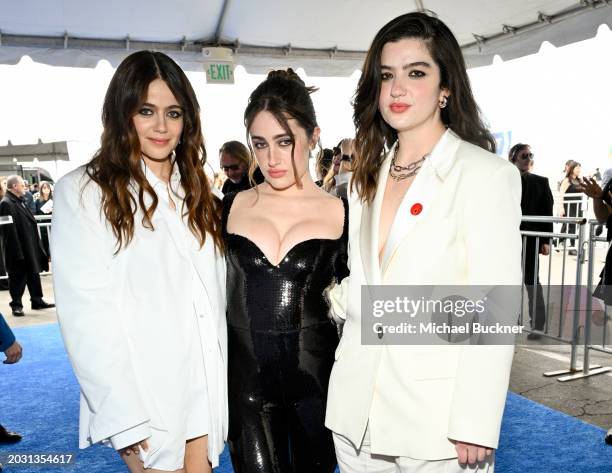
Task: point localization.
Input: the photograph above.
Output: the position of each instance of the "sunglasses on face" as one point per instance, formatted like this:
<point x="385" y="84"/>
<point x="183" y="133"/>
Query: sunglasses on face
<point x="231" y="167"/>
<point x="526" y="157"/>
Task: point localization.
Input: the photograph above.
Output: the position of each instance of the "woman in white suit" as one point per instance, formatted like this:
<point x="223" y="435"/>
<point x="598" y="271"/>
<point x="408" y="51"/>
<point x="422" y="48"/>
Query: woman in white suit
<point x="430" y="205"/>
<point x="139" y="277"/>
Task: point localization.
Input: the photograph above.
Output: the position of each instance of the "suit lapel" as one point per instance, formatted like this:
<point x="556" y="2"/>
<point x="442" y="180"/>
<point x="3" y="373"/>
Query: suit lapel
<point x="422" y="194"/>
<point x="370" y="224"/>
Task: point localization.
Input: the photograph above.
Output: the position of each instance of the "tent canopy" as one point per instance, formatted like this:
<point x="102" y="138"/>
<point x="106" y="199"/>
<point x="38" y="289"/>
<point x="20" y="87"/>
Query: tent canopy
<point x="40" y="151"/>
<point x="323" y="37"/>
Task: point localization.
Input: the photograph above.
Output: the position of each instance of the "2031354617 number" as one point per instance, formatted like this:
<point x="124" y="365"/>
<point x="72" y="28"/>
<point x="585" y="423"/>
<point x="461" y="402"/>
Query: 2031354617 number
<point x="30" y="459"/>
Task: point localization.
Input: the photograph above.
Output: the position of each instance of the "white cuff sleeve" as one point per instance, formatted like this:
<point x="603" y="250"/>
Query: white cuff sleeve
<point x="131" y="436"/>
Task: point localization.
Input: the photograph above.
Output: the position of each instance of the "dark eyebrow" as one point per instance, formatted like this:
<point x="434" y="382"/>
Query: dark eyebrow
<point x="407" y="66"/>
<point x="276" y="137"/>
<point x="147" y="104"/>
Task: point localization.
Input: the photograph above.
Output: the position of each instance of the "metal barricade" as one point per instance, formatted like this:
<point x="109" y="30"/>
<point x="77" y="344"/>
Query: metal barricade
<point x="42" y="222"/>
<point x="4" y="220"/>
<point x="550" y="323"/>
<point x="581" y="307"/>
<point x="574" y="205"/>
<point x="588" y="369"/>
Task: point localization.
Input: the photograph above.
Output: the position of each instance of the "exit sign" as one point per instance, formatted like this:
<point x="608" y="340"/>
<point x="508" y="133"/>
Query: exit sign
<point x="219" y="73"/>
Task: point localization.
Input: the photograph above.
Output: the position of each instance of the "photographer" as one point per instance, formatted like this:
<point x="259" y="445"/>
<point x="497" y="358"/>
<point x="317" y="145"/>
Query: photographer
<point x="536" y="199"/>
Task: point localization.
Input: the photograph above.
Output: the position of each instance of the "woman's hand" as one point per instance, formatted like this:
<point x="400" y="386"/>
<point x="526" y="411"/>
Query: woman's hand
<point x="471" y="453"/>
<point x="135" y="449"/>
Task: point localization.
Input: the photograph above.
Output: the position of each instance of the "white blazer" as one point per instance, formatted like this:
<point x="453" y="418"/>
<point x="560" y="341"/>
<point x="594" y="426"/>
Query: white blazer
<point x="125" y="318"/>
<point x="416" y="398"/>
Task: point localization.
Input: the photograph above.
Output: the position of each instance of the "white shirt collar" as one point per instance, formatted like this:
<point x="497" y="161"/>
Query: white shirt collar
<point x="175" y="176"/>
<point x="442" y="156"/>
<point x="159" y="186"/>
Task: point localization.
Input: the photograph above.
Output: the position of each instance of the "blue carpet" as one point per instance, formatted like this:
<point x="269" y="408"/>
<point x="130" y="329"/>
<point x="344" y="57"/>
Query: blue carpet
<point x="40" y="400"/>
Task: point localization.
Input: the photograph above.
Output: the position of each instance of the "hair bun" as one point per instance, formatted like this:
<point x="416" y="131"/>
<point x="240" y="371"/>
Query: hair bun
<point x="288" y="74"/>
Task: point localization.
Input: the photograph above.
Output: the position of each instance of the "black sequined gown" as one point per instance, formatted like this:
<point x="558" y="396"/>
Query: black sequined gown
<point x="281" y="350"/>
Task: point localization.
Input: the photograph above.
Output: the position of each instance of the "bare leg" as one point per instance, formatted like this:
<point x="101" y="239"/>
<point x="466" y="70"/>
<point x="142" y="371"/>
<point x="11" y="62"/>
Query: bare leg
<point x="196" y="456"/>
<point x="136" y="466"/>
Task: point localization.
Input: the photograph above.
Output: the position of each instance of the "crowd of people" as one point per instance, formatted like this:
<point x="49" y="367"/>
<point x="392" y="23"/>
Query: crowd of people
<point x="193" y="317"/>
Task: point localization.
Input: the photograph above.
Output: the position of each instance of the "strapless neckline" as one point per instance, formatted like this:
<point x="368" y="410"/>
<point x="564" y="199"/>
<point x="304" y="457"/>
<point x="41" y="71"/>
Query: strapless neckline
<point x="288" y="253"/>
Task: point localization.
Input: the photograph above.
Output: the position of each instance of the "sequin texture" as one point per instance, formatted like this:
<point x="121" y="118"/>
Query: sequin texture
<point x="281" y="346"/>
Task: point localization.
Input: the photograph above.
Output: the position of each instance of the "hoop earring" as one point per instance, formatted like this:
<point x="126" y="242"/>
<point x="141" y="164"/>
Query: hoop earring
<point x="444" y="102"/>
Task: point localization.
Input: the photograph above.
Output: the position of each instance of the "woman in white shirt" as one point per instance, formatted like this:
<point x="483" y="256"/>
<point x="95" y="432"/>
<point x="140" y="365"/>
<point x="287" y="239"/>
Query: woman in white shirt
<point x="139" y="277"/>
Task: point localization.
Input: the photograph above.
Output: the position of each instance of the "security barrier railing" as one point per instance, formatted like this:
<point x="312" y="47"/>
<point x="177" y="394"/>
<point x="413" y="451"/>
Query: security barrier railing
<point x="4" y="220"/>
<point x="556" y="323"/>
<point x="588" y="369"/>
<point x="43" y="224"/>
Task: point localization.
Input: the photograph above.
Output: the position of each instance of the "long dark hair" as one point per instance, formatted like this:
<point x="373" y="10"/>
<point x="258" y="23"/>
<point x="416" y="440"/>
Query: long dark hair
<point x="116" y="165"/>
<point x="284" y="95"/>
<point x="40" y="188"/>
<point x="570" y="170"/>
<point x="461" y="113"/>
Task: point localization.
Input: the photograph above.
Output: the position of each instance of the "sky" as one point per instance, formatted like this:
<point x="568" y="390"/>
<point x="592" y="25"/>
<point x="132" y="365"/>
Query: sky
<point x="557" y="100"/>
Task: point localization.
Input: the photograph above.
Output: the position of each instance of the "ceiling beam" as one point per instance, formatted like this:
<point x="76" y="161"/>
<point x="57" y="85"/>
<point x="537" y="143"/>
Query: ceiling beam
<point x="221" y="21"/>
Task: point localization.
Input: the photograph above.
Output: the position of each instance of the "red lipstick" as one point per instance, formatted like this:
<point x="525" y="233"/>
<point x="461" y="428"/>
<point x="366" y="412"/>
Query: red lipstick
<point x="399" y="107"/>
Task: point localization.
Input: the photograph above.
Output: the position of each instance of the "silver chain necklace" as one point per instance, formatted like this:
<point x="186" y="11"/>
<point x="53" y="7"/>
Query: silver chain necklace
<point x="399" y="173"/>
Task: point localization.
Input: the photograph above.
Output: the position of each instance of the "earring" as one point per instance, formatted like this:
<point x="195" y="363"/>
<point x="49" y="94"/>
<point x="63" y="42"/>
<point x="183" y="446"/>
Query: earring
<point x="444" y="102"/>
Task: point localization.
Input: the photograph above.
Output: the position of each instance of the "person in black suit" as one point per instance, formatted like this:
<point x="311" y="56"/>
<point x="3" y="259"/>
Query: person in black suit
<point x="536" y="199"/>
<point x="12" y="350"/>
<point x="28" y="198"/>
<point x="25" y="256"/>
<point x="3" y="281"/>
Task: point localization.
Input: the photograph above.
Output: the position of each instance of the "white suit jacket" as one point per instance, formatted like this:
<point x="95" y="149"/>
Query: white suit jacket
<point x="125" y="318"/>
<point x="417" y="398"/>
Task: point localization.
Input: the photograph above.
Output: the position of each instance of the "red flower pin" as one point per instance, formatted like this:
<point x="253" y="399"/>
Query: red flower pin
<point x="416" y="209"/>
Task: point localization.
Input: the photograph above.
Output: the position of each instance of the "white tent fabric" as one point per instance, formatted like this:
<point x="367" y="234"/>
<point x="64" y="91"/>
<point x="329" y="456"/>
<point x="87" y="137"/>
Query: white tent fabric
<point x="324" y="37"/>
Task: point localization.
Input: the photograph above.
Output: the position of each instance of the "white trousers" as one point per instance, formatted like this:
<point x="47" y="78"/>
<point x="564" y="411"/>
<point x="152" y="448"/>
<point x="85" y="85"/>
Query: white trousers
<point x="363" y="461"/>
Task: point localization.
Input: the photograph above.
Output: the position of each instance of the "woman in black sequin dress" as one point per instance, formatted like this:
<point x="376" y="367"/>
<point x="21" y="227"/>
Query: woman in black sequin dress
<point x="286" y="243"/>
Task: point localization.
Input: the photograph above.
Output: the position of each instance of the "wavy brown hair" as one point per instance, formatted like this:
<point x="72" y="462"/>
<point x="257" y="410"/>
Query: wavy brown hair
<point x="285" y="96"/>
<point x="373" y="135"/>
<point x="116" y="166"/>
